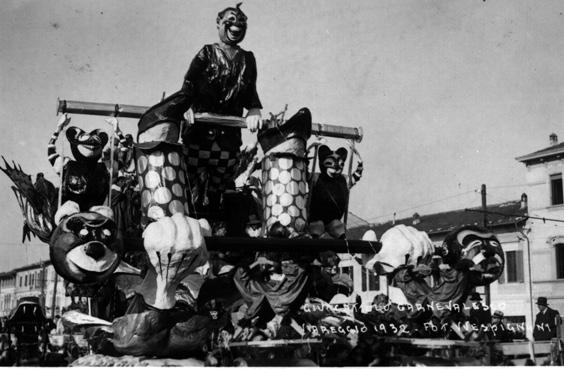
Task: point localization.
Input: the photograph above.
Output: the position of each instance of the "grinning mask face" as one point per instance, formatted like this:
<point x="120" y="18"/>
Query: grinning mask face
<point x="331" y="162"/>
<point x="86" y="145"/>
<point x="232" y="25"/>
<point x="479" y="246"/>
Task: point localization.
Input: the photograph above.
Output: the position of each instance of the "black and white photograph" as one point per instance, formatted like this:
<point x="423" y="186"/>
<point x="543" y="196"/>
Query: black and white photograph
<point x="281" y="183"/>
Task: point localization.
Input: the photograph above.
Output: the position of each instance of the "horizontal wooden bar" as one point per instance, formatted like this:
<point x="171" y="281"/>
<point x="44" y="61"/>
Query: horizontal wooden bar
<point x="273" y="343"/>
<point x="302" y="245"/>
<point x="431" y="342"/>
<point x="135" y="111"/>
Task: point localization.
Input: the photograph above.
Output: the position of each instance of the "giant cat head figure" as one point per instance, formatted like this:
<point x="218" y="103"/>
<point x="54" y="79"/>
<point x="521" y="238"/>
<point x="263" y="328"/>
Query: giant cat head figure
<point x="83" y="247"/>
<point x="86" y="145"/>
<point x="331" y="163"/>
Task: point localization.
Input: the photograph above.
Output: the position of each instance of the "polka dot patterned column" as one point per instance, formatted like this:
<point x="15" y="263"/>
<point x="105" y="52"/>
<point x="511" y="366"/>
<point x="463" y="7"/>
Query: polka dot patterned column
<point x="162" y="181"/>
<point x="285" y="191"/>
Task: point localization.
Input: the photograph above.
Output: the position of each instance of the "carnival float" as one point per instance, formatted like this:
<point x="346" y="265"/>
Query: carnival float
<point x="193" y="251"/>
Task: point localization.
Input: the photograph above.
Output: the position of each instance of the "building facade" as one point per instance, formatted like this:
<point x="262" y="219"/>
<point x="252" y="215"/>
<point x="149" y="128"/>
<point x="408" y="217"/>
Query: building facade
<point x="7" y="292"/>
<point x="544" y="232"/>
<point x="530" y="230"/>
<point x="38" y="280"/>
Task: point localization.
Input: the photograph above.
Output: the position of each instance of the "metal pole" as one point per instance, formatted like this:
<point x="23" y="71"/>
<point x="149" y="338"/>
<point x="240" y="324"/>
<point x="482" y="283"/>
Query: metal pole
<point x="54" y="298"/>
<point x="530" y="285"/>
<point x="293" y="245"/>
<point x="61" y="177"/>
<point x="485" y="222"/>
<point x="136" y="111"/>
<point x="43" y="302"/>
<point x="112" y="153"/>
<point x="349" y="183"/>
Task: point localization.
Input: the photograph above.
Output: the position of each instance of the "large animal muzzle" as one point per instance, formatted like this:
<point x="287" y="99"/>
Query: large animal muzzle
<point x="92" y="257"/>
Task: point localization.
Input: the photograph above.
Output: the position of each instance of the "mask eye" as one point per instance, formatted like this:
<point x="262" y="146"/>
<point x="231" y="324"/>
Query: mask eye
<point x="83" y="232"/>
<point x="494" y="243"/>
<point x="106" y="233"/>
<point x="74" y="225"/>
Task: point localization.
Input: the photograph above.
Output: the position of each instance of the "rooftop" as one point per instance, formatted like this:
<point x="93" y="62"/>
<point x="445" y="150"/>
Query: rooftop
<point x="437" y="224"/>
<point x="554" y="151"/>
<point x="39" y="264"/>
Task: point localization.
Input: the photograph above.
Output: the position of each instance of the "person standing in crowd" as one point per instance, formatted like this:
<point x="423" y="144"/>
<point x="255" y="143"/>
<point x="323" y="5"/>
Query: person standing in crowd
<point x="499" y="330"/>
<point x="547" y="322"/>
<point x="479" y="314"/>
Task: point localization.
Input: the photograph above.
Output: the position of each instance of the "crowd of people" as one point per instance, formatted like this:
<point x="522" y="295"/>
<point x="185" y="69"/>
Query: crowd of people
<point x="348" y="333"/>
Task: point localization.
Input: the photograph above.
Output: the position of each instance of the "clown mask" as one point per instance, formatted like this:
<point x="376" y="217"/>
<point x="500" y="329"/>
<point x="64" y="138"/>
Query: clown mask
<point x="86" y="145"/>
<point x="231" y="25"/>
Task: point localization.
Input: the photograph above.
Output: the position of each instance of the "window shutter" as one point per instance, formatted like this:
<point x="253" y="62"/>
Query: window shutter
<point x="519" y="262"/>
<point x="501" y="279"/>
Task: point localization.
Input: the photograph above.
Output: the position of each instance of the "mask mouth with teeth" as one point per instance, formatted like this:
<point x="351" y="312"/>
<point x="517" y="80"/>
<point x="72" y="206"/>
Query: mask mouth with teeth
<point x="86" y="145"/>
<point x="232" y="25"/>
<point x="331" y="162"/>
<point x="83" y="248"/>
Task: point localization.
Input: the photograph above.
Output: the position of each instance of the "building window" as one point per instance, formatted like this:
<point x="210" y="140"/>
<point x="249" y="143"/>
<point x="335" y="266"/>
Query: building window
<point x="348" y="271"/>
<point x="514" y="261"/>
<point x="557" y="196"/>
<point x="559" y="251"/>
<point x="513" y="267"/>
<point x="370" y="281"/>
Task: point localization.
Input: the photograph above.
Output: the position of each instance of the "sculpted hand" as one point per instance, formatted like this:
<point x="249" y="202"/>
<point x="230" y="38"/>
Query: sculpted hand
<point x="176" y="248"/>
<point x="355" y="152"/>
<point x="254" y="120"/>
<point x="63" y="121"/>
<point x="113" y="122"/>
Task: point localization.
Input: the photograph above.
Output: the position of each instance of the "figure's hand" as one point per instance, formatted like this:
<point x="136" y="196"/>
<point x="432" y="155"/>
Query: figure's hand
<point x="113" y="122"/>
<point x="63" y="121"/>
<point x="189" y="117"/>
<point x="318" y="141"/>
<point x="176" y="248"/>
<point x="355" y="152"/>
<point x="444" y="266"/>
<point x="254" y="120"/>
<point x="261" y="260"/>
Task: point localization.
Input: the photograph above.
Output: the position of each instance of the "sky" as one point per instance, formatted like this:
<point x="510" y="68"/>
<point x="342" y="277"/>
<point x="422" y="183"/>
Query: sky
<point x="447" y="93"/>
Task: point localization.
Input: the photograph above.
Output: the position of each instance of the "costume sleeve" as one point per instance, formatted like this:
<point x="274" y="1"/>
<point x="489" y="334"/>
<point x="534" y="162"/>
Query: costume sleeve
<point x="55" y="159"/>
<point x="252" y="100"/>
<point x="357" y="175"/>
<point x="197" y="67"/>
<point x="120" y="137"/>
<point x="52" y="149"/>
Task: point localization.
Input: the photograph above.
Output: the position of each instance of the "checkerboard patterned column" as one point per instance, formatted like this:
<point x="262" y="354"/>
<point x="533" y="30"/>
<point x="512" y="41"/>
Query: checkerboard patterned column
<point x="161" y="174"/>
<point x="285" y="191"/>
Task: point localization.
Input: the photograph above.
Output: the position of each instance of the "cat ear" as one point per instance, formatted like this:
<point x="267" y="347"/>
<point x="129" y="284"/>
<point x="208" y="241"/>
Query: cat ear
<point x="103" y="136"/>
<point x="342" y="152"/>
<point x="323" y="152"/>
<point x="73" y="132"/>
<point x="65" y="210"/>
